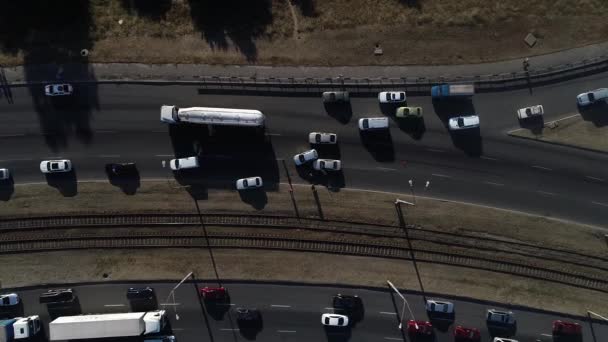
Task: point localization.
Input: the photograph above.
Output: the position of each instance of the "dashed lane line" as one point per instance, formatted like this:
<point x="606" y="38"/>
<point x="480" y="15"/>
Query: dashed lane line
<point x="595" y="178"/>
<point x="227" y="329"/>
<point x="546" y="193"/>
<point x="387" y="313"/>
<point x="493" y="183"/>
<point x="542" y="168"/>
<point x="163" y="155"/>
<point x="489" y="158"/>
<point x="600" y="203"/>
<point x="170" y="304"/>
<point x="385" y="168"/>
<point x="435" y="150"/>
<point x="114" y="305"/>
<point x="280" y="306"/>
<point x="440" y="175"/>
<point x="286" y="331"/>
<point x="109" y="156"/>
<point x="393" y="338"/>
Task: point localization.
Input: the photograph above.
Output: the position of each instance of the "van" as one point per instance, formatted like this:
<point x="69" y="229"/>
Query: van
<point x="367" y="124"/>
<point x="184" y="163"/>
<point x="335" y="97"/>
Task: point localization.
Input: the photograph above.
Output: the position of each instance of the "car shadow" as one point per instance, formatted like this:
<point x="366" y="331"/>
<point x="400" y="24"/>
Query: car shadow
<point x="341" y="112"/>
<point x="256" y="198"/>
<point x="441" y="324"/>
<point x="502" y="331"/>
<point x="327" y="151"/>
<point x="597" y="114"/>
<point x="535" y="124"/>
<point x="72" y="308"/>
<point x="217" y="310"/>
<point x="7" y="188"/>
<point x="250" y="330"/>
<point x="12" y="311"/>
<point x="389" y="109"/>
<point x="414" y="127"/>
<point x="338" y="334"/>
<point x="446" y="108"/>
<point x="469" y="141"/>
<point x="379" y="144"/>
<point x="65" y="182"/>
<point x="127" y="183"/>
<point x="143" y="305"/>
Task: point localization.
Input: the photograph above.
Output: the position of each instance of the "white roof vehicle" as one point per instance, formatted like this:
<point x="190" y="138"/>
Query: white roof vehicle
<point x="322" y="138"/>
<point x="327" y="165"/>
<point x="184" y="163"/>
<point x="212" y="116"/>
<point x="9" y="299"/>
<point x="440" y="307"/>
<point x="498" y="317"/>
<point x="530" y="112"/>
<point x="333" y="320"/>
<point x="366" y="124"/>
<point x="305" y="157"/>
<point x="335" y="96"/>
<point x="58" y="89"/>
<point x="592" y="96"/>
<point x="464" y="122"/>
<point x="502" y="339"/>
<point x="52" y="166"/>
<point x="391" y="97"/>
<point x="249" y="183"/>
<point x="4" y="174"/>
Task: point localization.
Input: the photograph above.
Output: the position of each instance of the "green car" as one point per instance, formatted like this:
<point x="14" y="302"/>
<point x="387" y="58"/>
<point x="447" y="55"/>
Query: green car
<point x="409" y="112"/>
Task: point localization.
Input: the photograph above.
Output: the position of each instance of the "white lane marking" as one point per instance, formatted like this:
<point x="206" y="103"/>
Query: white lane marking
<point x="226" y="304"/>
<point x="280" y="306"/>
<point x="548" y="335"/>
<point x="600" y="203"/>
<point x="163" y="155"/>
<point x="328" y="308"/>
<point x="106" y="131"/>
<point x="225" y="329"/>
<point x="595" y="178"/>
<point x="170" y="304"/>
<point x="286" y="331"/>
<point x="385" y="168"/>
<point x="393" y="338"/>
<point x="109" y="155"/>
<point x="542" y="168"/>
<point x="545" y="192"/>
<point x="11" y="135"/>
<point x="440" y="175"/>
<point x="492" y="183"/>
<point x="177" y="329"/>
<point x="435" y="150"/>
<point x="274" y="134"/>
<point x="489" y="158"/>
<point x="113" y="305"/>
<point x="388" y="313"/>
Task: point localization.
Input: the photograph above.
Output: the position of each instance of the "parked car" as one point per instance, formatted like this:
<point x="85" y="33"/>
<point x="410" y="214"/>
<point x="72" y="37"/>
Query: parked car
<point x="121" y="169"/>
<point x="530" y="112"/>
<point x="249" y="183"/>
<point x="9" y="299"/>
<point x="248" y="315"/>
<point x="500" y="318"/>
<point x="439" y="309"/>
<point x="57" y="296"/>
<point x="58" y="89"/>
<point x="4" y="174"/>
<point x="464" y="122"/>
<point x="140" y="293"/>
<point x="566" y="329"/>
<point x="335" y="97"/>
<point x="334" y="320"/>
<point x="367" y="124"/>
<point x="305" y="157"/>
<point x="327" y="165"/>
<point x="349" y="305"/>
<point x="184" y="163"/>
<point x="322" y="138"/>
<point x="214" y="293"/>
<point x="53" y="166"/>
<point x="409" y="112"/>
<point x="420" y="330"/>
<point x="502" y="339"/>
<point x="592" y="96"/>
<point x="462" y="334"/>
<point x="391" y="97"/>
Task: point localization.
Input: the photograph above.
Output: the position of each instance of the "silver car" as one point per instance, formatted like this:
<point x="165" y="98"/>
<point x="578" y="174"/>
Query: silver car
<point x="58" y="89"/>
<point x="305" y="157"/>
<point x="327" y="165"/>
<point x="464" y="122"/>
<point x="4" y="174"/>
<point x="322" y="138"/>
<point x="53" y="166"/>
<point x="249" y="183"/>
<point x="335" y="97"/>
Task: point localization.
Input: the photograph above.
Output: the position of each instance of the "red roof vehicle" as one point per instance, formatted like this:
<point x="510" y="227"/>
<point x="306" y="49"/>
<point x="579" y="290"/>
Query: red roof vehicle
<point x="214" y="293"/>
<point x="462" y="334"/>
<point x="419" y="329"/>
<point x="561" y="328"/>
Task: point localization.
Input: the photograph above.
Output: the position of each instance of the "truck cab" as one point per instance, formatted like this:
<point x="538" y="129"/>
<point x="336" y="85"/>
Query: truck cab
<point x="26" y="327"/>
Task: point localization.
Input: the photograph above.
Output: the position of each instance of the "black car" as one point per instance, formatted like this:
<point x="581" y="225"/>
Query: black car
<point x="246" y="315"/>
<point x="140" y="293"/>
<point x="57" y="296"/>
<point x="121" y="169"/>
<point x="348" y="305"/>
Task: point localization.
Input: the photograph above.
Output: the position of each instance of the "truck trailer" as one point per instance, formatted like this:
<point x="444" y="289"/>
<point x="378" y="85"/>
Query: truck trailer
<point x="212" y="116"/>
<point x="107" y="325"/>
<point x="452" y="90"/>
<point x="19" y="328"/>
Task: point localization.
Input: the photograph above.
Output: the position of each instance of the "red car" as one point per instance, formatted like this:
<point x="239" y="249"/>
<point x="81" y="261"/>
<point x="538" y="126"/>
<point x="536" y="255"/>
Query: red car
<point x="462" y="334"/>
<point x="214" y="293"/>
<point x="419" y="329"/>
<point x="561" y="328"/>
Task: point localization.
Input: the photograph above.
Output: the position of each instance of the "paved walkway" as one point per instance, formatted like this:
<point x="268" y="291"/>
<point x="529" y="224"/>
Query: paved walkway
<point x="189" y="72"/>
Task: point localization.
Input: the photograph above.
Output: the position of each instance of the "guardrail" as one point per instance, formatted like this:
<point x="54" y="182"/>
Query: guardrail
<point x="483" y="83"/>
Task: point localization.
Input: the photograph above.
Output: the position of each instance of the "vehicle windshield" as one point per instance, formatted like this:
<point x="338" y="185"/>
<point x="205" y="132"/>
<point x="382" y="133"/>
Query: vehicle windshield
<point x="591" y="97"/>
<point x="460" y="122"/>
<point x="245" y="183"/>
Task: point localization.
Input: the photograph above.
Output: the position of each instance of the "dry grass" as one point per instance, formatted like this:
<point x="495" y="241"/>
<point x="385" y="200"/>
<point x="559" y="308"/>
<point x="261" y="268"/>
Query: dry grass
<point x="330" y="32"/>
<point x="573" y="131"/>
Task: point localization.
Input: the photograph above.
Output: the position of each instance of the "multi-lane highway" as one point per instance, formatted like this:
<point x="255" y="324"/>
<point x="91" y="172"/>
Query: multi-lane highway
<point x="110" y="123"/>
<point x="293" y="313"/>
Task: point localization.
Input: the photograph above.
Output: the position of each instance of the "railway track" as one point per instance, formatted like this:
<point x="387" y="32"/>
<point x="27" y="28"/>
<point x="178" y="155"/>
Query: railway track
<point x="362" y="239"/>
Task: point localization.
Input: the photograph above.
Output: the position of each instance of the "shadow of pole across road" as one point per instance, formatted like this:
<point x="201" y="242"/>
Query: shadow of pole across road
<point x="403" y="225"/>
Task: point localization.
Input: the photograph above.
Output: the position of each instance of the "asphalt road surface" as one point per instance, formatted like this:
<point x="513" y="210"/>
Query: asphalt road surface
<point x="119" y="123"/>
<point x="293" y="313"/>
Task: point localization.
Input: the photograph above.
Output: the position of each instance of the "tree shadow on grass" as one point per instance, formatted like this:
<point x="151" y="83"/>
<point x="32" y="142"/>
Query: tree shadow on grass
<point x="152" y="9"/>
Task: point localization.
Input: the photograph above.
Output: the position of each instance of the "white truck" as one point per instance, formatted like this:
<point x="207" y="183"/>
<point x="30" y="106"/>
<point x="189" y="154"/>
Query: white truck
<point x="107" y="325"/>
<point x="19" y="328"/>
<point x="212" y="116"/>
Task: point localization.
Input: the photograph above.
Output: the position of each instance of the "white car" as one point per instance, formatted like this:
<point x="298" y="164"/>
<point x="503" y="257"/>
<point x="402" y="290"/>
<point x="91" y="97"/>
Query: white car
<point x="249" y="183"/>
<point x="530" y="112"/>
<point x="327" y="165"/>
<point x="502" y="339"/>
<point x="4" y="174"/>
<point x="322" y="138"/>
<point x="52" y="166"/>
<point x="592" y="96"/>
<point x="305" y="157"/>
<point x="334" y="320"/>
<point x="497" y="317"/>
<point x="184" y="163"/>
<point x="58" y="89"/>
<point x="368" y="124"/>
<point x="464" y="122"/>
<point x="439" y="307"/>
<point x="391" y="97"/>
<point x="9" y="299"/>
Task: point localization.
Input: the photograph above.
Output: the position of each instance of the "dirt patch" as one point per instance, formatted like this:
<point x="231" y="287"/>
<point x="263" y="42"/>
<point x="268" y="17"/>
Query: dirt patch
<point x="329" y="32"/>
<point x="578" y="130"/>
<point x="141" y="264"/>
